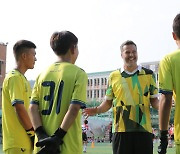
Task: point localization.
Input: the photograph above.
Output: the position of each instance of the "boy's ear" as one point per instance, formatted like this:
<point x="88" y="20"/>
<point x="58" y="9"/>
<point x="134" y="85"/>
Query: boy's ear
<point x="174" y="36"/>
<point x="23" y="55"/>
<point x="72" y="49"/>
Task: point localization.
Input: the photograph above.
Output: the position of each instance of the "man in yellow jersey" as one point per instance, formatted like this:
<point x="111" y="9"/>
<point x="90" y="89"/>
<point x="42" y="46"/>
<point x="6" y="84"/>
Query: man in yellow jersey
<point x="131" y="90"/>
<point x="18" y="133"/>
<point x="58" y="95"/>
<point x="169" y="85"/>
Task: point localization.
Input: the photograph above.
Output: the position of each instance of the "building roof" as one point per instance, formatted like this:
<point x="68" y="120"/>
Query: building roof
<point x="5" y="44"/>
<point x="99" y="73"/>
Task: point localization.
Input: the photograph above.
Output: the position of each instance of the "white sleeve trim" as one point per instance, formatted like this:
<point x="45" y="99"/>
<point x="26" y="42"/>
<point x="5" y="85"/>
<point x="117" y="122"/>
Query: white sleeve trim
<point x="154" y="96"/>
<point x="108" y="98"/>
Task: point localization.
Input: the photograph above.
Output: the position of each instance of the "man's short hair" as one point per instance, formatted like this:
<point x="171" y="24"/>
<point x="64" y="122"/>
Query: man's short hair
<point x="128" y="42"/>
<point x="62" y="41"/>
<point x="21" y="46"/>
<point x="176" y="25"/>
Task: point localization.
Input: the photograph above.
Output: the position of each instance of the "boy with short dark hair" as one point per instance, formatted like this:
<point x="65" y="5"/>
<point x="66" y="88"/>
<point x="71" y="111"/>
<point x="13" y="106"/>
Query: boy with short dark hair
<point x="58" y="95"/>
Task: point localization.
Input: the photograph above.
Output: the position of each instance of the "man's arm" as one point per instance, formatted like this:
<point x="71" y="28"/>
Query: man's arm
<point x="23" y="116"/>
<point x="165" y="104"/>
<point x="103" y="107"/>
<point x="155" y="103"/>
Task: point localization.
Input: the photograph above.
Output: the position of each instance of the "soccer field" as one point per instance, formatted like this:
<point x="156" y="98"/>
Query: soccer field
<point x="106" y="148"/>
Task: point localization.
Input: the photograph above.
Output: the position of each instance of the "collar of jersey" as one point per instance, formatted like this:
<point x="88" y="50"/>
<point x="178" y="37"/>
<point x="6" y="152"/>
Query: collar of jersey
<point x="139" y="68"/>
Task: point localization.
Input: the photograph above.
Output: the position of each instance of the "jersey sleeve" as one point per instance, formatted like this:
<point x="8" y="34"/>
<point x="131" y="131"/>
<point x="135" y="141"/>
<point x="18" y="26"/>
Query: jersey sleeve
<point x="79" y="93"/>
<point x="16" y="90"/>
<point x="165" y="76"/>
<point x="153" y="87"/>
<point x="35" y="94"/>
<point x="109" y="91"/>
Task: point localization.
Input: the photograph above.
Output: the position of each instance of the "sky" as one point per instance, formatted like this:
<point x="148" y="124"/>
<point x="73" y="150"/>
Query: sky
<point x="100" y="25"/>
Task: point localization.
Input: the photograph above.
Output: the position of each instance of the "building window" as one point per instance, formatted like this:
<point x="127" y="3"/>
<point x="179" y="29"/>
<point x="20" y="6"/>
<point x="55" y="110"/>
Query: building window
<point x="88" y="94"/>
<point x="1" y="64"/>
<point x="94" y="93"/>
<point x="105" y="81"/>
<point x="94" y="82"/>
<point x="102" y="81"/>
<point x="98" y="81"/>
<point x="102" y="92"/>
<point x="88" y="82"/>
<point x="91" y="82"/>
<point x="91" y="94"/>
<point x="97" y="93"/>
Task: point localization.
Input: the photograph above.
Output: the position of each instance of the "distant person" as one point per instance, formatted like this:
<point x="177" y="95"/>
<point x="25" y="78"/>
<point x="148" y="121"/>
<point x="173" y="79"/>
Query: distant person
<point x="18" y="132"/>
<point x="169" y="85"/>
<point x="110" y="132"/>
<point x="130" y="92"/>
<point x="58" y="95"/>
<point x="85" y="129"/>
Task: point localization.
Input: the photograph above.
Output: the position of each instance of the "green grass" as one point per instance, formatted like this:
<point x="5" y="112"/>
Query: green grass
<point x="1" y="152"/>
<point x="106" y="148"/>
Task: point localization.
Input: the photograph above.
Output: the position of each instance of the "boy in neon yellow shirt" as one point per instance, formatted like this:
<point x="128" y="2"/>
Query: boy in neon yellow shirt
<point x="169" y="85"/>
<point x="18" y="133"/>
<point x="58" y="95"/>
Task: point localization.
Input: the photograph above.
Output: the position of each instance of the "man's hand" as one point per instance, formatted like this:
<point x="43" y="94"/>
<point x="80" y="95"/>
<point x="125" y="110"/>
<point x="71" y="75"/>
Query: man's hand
<point x="90" y="112"/>
<point x="163" y="142"/>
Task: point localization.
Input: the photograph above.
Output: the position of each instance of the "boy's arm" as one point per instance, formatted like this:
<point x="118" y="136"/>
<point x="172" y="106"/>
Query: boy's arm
<point x="23" y="116"/>
<point x="25" y="121"/>
<point x="35" y="116"/>
<point x="164" y="114"/>
<point x="165" y="104"/>
<point x="70" y="116"/>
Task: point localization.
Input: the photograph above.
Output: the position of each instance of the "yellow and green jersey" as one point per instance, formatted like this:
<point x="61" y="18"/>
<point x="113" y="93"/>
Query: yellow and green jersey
<point x="169" y="82"/>
<point x="131" y="93"/>
<point x="16" y="89"/>
<point x="55" y="89"/>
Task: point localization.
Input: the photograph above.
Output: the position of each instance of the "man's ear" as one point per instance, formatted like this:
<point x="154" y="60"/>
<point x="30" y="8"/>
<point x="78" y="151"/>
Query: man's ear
<point x="121" y="54"/>
<point x="174" y="36"/>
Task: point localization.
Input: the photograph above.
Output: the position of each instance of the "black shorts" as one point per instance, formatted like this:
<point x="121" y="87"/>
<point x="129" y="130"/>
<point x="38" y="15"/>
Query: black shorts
<point x="132" y="143"/>
<point x="84" y="136"/>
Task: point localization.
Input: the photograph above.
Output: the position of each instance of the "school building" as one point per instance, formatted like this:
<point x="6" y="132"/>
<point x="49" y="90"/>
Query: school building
<point x="3" y="48"/>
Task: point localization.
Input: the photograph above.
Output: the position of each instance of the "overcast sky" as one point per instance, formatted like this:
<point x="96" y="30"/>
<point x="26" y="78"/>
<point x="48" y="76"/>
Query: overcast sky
<point x="100" y="25"/>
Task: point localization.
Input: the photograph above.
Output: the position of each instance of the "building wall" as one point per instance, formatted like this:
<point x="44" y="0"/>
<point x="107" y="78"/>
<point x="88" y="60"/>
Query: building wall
<point x="97" y="84"/>
<point x="3" y="48"/>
